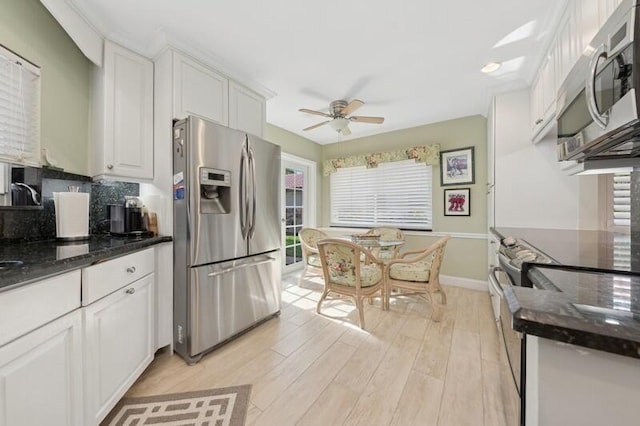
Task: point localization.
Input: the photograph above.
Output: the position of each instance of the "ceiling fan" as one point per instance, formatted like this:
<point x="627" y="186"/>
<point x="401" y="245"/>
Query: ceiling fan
<point x="339" y="114"/>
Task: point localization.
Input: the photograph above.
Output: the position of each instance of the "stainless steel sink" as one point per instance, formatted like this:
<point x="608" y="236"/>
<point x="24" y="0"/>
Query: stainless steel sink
<point x="10" y="264"/>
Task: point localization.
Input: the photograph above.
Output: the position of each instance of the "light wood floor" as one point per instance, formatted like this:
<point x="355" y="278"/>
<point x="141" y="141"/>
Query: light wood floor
<point x="311" y="369"/>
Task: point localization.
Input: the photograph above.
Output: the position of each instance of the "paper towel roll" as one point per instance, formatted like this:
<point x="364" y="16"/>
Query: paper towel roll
<point x="72" y="214"/>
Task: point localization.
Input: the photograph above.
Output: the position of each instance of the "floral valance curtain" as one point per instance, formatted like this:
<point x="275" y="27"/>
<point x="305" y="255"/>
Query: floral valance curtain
<point x="429" y="154"/>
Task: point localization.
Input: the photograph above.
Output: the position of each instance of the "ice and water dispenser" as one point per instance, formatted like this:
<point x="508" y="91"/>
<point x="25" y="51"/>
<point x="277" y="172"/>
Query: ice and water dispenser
<point x="215" y="191"/>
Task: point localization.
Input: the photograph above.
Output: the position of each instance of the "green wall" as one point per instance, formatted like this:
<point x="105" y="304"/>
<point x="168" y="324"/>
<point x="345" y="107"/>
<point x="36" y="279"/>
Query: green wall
<point x="300" y="147"/>
<point x="465" y="257"/>
<point x="28" y="29"/>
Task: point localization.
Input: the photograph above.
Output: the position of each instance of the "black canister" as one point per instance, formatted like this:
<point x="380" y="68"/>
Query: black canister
<point x="133" y="219"/>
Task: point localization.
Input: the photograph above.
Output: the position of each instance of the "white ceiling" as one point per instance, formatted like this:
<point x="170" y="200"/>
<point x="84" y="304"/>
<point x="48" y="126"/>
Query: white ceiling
<point x="412" y="61"/>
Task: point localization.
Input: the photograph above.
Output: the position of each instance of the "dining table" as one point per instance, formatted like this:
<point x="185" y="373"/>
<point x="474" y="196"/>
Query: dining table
<point x="376" y="243"/>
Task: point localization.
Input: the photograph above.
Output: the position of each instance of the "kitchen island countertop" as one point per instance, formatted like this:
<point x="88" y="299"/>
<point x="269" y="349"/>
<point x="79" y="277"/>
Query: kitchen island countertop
<point x="23" y="263"/>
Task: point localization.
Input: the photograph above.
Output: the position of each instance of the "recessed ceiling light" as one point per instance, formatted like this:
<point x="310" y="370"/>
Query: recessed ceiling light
<point x="490" y="67"/>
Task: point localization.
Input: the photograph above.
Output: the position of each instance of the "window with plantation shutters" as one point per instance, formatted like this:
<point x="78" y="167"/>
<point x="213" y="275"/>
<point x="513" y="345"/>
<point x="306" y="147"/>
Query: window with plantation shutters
<point x="622" y="199"/>
<point x="394" y="194"/>
<point x="19" y="110"/>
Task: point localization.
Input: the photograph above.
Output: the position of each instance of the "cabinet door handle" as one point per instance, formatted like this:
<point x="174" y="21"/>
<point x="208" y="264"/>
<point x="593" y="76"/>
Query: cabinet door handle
<point x="130" y="290"/>
<point x="131" y="269"/>
<point x="109" y="166"/>
<point x="539" y="120"/>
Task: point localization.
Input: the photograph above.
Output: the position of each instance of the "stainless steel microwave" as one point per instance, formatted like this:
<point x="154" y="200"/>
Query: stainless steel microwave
<point x="597" y="112"/>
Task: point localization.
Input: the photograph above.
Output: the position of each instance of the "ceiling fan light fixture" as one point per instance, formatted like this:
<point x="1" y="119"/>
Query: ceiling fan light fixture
<point x="339" y="123"/>
<point x="491" y="67"/>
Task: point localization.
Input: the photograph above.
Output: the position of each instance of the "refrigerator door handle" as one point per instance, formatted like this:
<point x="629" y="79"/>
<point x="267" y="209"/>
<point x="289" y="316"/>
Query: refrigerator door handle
<point x="252" y="222"/>
<point x="244" y="265"/>
<point x="243" y="195"/>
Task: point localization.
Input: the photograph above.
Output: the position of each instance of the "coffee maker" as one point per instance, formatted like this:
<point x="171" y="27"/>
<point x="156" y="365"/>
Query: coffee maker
<point x="127" y="219"/>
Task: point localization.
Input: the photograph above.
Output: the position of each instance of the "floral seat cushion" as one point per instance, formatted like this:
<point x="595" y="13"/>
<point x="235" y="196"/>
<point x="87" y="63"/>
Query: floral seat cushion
<point x="314" y="260"/>
<point x="369" y="275"/>
<point x="418" y="272"/>
<point x="342" y="271"/>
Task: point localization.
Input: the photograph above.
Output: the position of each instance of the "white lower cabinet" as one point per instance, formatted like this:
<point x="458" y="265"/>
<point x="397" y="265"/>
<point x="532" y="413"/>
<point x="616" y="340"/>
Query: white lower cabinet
<point x="118" y="345"/>
<point x="41" y="376"/>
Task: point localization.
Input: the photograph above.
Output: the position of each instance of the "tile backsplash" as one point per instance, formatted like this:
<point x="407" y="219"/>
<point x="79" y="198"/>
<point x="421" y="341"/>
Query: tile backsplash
<point x="39" y="224"/>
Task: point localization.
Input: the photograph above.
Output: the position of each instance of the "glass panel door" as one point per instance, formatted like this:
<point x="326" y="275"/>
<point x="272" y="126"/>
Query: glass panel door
<point x="294" y="196"/>
<point x="298" y="206"/>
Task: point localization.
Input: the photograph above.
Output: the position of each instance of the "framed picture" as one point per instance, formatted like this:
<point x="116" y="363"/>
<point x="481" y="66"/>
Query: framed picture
<point x="456" y="166"/>
<point x="457" y="202"/>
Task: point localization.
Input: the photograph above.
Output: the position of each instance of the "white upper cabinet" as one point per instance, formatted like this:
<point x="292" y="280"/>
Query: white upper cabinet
<point x="123" y="115"/>
<point x="246" y="110"/>
<point x="588" y="18"/>
<point x="199" y="90"/>
<point x="579" y="24"/>
<point x="543" y="97"/>
<point x="568" y="43"/>
<point x="606" y="8"/>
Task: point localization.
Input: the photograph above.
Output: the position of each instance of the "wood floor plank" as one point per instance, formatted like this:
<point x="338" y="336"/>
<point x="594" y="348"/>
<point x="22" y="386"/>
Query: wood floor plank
<point x="296" y="399"/>
<point x="300" y="336"/>
<point x="462" y="395"/>
<point x="420" y="401"/>
<point x="253" y="413"/>
<point x="418" y="319"/>
<point x="360" y="368"/>
<point x="354" y="336"/>
<point x="403" y="369"/>
<point x="274" y="382"/>
<point x="467" y="318"/>
<point x="248" y="373"/>
<point x="332" y="406"/>
<point x="492" y="393"/>
<point x="435" y="351"/>
<point x="379" y="400"/>
<point x="160" y="376"/>
<point x="490" y="346"/>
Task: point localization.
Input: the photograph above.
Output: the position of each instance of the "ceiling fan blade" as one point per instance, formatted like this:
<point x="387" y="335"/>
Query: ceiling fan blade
<point x="316" y="125"/>
<point x="310" y="111"/>
<point x="351" y="107"/>
<point x="362" y="119"/>
<point x="346" y="131"/>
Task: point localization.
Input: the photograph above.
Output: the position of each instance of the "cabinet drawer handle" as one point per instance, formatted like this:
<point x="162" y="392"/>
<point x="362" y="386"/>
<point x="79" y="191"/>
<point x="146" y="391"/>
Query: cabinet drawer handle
<point x="109" y="166"/>
<point x="539" y="120"/>
<point x="131" y="269"/>
<point x="130" y="290"/>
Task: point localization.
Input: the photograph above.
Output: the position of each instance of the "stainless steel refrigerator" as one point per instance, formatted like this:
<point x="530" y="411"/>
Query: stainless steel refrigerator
<point x="226" y="191"/>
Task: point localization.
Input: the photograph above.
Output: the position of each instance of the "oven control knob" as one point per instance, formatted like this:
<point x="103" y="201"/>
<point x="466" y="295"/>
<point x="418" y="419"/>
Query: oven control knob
<point x="509" y="241"/>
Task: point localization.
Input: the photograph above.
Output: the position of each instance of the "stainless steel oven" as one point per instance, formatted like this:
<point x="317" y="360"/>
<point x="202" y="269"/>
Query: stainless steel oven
<point x="511" y="341"/>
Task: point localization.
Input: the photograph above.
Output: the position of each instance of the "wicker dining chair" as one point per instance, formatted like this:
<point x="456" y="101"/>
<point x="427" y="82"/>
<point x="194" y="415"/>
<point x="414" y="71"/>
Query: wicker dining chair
<point x="418" y="272"/>
<point x="346" y="275"/>
<point x="310" y="258"/>
<point x="387" y="233"/>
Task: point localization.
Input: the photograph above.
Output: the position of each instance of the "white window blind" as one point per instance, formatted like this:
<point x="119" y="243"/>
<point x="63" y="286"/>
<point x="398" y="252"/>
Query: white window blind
<point x="622" y="199"/>
<point x="19" y="110"/>
<point x="395" y="194"/>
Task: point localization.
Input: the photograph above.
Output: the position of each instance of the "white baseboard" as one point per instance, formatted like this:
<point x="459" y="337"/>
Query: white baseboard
<point x="469" y="283"/>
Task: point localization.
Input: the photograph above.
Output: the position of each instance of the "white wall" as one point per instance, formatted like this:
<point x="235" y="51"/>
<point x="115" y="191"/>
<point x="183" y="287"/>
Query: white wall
<point x="530" y="189"/>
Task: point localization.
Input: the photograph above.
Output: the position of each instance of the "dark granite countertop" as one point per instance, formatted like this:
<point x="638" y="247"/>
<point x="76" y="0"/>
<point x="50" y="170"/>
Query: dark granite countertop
<point x="595" y="310"/>
<point x="42" y="259"/>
